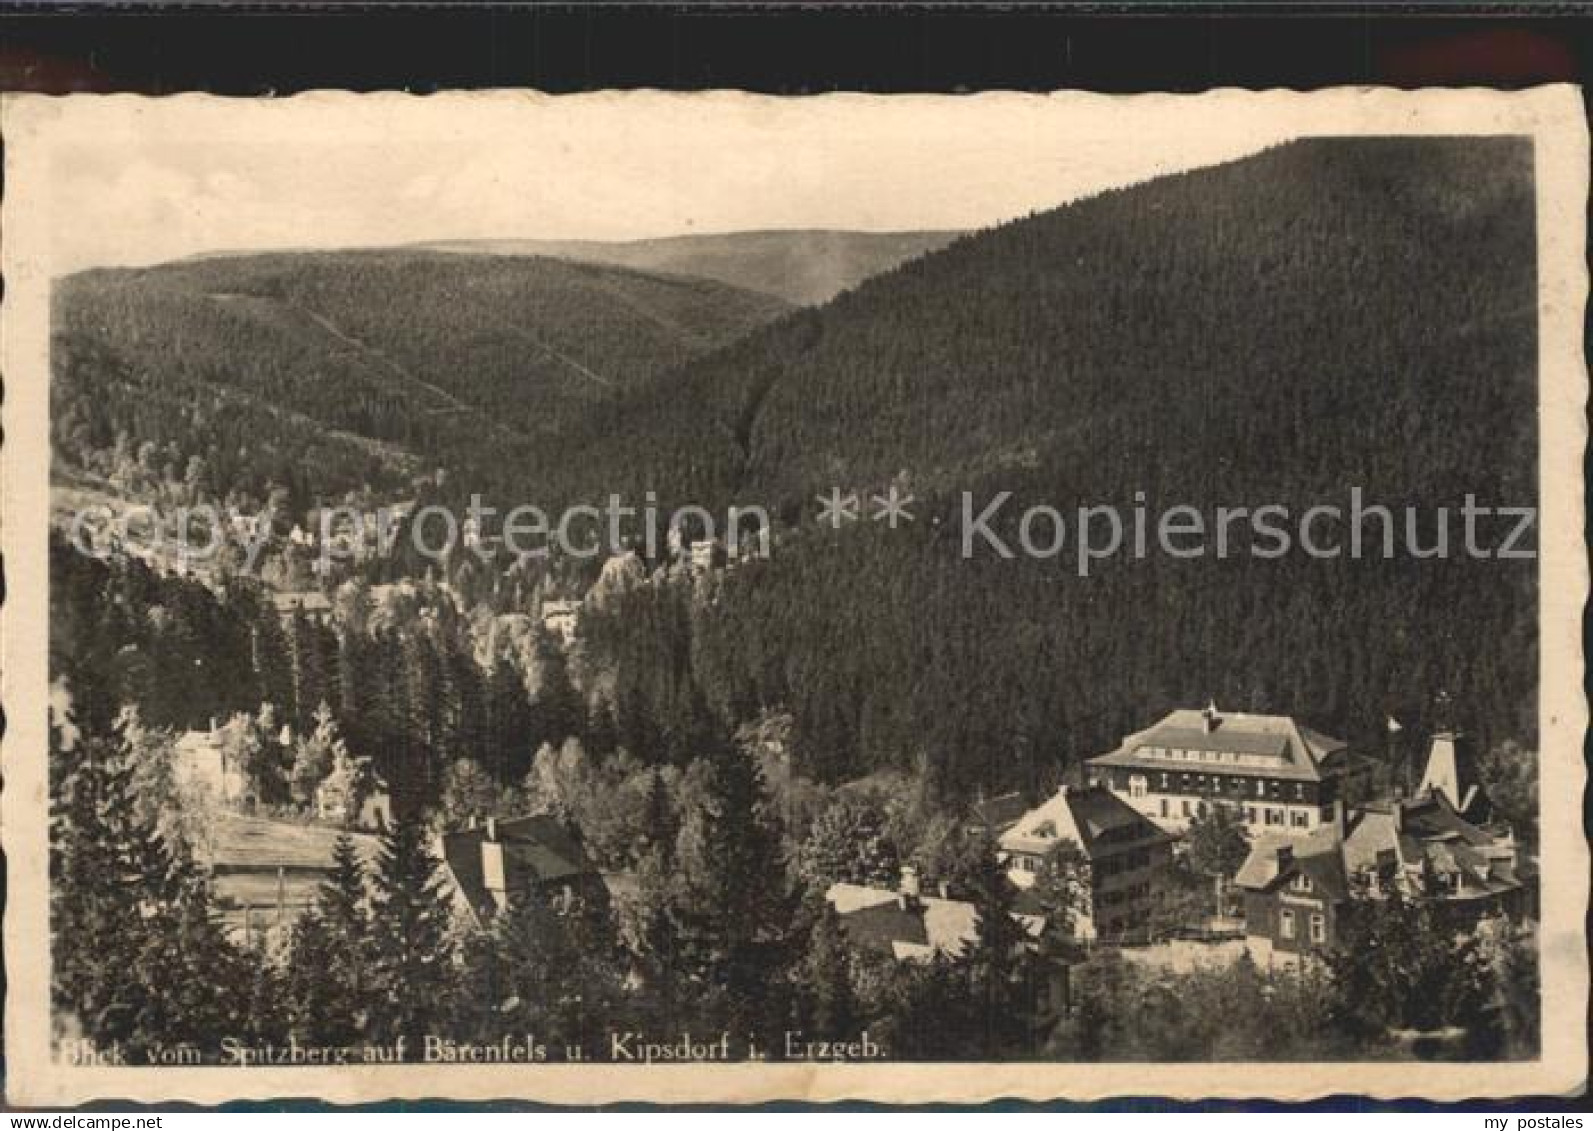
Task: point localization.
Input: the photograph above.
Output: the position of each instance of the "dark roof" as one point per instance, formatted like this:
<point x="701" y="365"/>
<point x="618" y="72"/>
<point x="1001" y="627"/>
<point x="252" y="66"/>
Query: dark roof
<point x="1430" y="835"/>
<point x="537" y="850"/>
<point x="880" y="927"/>
<point x="1085" y="816"/>
<point x="998" y="813"/>
<point x="1417" y="838"/>
<point x="1318" y="856"/>
<point x="882" y="921"/>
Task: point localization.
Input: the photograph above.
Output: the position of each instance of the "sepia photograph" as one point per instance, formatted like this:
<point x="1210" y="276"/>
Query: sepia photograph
<point x="714" y="597"/>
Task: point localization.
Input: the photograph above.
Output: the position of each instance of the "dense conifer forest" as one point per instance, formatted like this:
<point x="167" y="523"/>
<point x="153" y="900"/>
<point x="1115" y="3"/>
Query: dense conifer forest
<point x="1326" y="315"/>
<point x="1329" y="314"/>
<point x="350" y="367"/>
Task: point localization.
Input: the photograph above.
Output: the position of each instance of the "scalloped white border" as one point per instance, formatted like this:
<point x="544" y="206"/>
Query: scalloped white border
<point x="1553" y="116"/>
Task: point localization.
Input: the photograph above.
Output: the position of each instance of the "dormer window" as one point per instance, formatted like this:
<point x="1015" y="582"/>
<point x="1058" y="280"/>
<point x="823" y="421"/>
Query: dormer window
<point x="1300" y="882"/>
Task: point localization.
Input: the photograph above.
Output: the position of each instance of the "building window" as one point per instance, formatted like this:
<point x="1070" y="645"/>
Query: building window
<point x="1286" y="923"/>
<point x="1261" y="788"/>
<point x="1250" y="814"/>
<point x="1185" y="804"/>
<point x="1319" y="929"/>
<point x="1274" y="816"/>
<point x="1300" y="882"/>
<point x="1299" y="791"/>
<point x="1164" y="806"/>
<point x="1327" y="814"/>
<point x="1300" y="819"/>
<point x="1136" y="785"/>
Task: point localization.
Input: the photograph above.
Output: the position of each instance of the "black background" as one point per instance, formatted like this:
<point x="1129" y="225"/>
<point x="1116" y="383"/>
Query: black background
<point x="256" y="49"/>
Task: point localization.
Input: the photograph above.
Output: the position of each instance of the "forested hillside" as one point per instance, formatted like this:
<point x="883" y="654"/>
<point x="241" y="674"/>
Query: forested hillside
<point x="801" y="266"/>
<point x="1328" y="314"/>
<point x="728" y="737"/>
<point x="337" y="366"/>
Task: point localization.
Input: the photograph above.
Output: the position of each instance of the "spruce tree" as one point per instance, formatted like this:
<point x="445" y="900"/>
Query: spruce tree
<point x="743" y="907"/>
<point x="410" y="960"/>
<point x="832" y="1008"/>
<point x="139" y="955"/>
<point x="659" y="824"/>
<point x="541" y="972"/>
<point x="327" y="977"/>
<point x="508" y="733"/>
<point x="995" y="960"/>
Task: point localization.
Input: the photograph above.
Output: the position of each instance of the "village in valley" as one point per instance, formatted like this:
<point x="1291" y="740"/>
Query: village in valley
<point x="1211" y="837"/>
<point x="864" y="782"/>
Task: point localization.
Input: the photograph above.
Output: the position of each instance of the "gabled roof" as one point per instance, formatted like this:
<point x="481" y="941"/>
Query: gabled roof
<point x="239" y="842"/>
<point x="1316" y="856"/>
<point x="1292" y="751"/>
<point x="1426" y="834"/>
<point x="882" y="921"/>
<point x="1091" y="817"/>
<point x="998" y="813"/>
<point x="1414" y="839"/>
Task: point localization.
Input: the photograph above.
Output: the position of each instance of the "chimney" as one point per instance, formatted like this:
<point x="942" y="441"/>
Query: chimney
<point x="492" y="872"/>
<point x="492" y="828"/>
<point x="1209" y="717"/>
<point x="1397" y="811"/>
<point x="909" y="884"/>
<point x="908" y="890"/>
<point x="1285" y="857"/>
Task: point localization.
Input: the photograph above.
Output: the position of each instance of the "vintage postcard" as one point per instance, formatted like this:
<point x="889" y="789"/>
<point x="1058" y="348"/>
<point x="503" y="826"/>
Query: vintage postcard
<point x="689" y="598"/>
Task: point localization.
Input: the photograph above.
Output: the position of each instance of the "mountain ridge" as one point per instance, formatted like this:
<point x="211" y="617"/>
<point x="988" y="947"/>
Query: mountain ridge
<point x="804" y="266"/>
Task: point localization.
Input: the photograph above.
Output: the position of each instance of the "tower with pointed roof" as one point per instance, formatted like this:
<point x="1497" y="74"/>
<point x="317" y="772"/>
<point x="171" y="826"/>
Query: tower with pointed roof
<point x="1451" y="771"/>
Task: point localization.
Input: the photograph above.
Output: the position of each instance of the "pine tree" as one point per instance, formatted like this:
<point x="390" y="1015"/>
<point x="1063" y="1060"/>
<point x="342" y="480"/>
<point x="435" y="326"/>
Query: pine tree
<point x="102" y="877"/>
<point x="315" y="756"/>
<point x="139" y="955"/>
<point x="832" y="1008"/>
<point x="996" y="961"/>
<point x="271" y="658"/>
<point x="1063" y="887"/>
<point x="659" y="824"/>
<point x="308" y="671"/>
<point x="743" y="906"/>
<point x="410" y="959"/>
<point x="327" y="969"/>
<point x="508" y="732"/>
<point x="542" y="972"/>
<point x="558" y="712"/>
